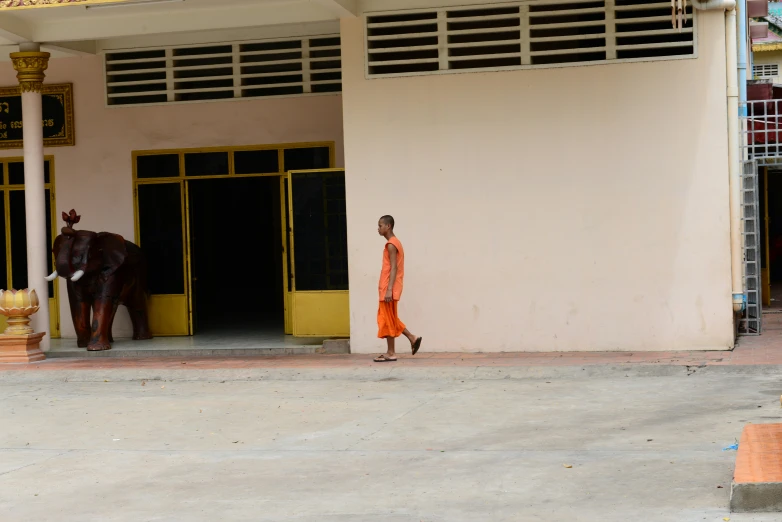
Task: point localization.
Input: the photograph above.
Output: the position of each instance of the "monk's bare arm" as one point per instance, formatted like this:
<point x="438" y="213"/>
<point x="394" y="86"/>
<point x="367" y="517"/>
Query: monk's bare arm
<point x="392" y="257"/>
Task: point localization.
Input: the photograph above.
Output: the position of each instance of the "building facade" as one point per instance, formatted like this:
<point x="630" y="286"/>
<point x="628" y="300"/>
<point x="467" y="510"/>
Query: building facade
<point x="558" y="171"/>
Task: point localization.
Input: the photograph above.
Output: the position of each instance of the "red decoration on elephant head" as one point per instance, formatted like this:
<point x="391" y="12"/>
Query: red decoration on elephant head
<point x="71" y="218"/>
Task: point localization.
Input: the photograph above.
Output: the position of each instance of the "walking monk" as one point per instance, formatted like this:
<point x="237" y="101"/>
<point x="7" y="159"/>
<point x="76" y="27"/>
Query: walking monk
<point x="389" y="327"/>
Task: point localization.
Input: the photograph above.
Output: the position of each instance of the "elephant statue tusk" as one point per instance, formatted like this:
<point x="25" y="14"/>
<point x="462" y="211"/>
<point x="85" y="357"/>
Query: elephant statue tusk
<point x="77" y="275"/>
<point x="52" y="277"/>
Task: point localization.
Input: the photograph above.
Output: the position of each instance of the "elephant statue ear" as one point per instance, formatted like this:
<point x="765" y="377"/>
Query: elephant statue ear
<point x="112" y="248"/>
<point x="57" y="244"/>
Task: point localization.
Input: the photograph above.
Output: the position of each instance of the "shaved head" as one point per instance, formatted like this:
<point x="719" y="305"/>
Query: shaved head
<point x="388" y="220"/>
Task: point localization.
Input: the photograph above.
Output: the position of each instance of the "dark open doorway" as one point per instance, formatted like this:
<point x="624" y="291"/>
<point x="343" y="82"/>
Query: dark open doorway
<point x="770" y="200"/>
<point x="236" y="255"/>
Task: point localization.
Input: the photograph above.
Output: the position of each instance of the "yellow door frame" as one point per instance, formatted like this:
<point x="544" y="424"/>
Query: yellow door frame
<point x="315" y="313"/>
<point x="182" y="178"/>
<point x="188" y="262"/>
<point x="7" y="188"/>
<point x="765" y="274"/>
<point x="167" y="321"/>
<point x="287" y="290"/>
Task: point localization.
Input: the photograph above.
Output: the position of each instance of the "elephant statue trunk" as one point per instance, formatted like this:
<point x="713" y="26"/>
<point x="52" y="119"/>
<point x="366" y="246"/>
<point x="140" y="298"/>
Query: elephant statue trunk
<point x="103" y="271"/>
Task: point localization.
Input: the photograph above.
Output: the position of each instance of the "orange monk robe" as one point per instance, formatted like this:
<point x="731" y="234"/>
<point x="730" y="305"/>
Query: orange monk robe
<point x="388" y="323"/>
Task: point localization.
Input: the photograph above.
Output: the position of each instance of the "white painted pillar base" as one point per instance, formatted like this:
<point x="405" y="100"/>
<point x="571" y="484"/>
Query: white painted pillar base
<point x="38" y="249"/>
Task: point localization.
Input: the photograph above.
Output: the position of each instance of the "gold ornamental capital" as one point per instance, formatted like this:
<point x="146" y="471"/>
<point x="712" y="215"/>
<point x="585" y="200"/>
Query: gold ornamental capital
<point x="30" y="66"/>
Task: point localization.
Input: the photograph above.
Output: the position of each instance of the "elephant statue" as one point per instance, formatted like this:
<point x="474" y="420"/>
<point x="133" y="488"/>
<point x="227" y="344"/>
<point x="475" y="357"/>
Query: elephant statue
<point x="103" y="271"/>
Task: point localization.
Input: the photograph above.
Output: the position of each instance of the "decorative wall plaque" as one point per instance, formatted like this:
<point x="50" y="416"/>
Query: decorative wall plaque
<point x="57" y="100"/>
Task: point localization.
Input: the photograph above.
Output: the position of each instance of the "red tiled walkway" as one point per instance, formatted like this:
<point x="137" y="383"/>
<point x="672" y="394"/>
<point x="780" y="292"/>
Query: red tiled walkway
<point x="760" y="350"/>
<point x="759" y="457"/>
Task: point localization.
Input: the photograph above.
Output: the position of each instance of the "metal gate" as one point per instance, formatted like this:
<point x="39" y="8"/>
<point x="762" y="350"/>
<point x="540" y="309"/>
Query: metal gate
<point x="750" y="323"/>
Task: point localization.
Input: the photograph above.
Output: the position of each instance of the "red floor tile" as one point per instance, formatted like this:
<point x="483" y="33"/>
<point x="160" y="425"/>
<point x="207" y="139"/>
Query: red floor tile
<point x="759" y="457"/>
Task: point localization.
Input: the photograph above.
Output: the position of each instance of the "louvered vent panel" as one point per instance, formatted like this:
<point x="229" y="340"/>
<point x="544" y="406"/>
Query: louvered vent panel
<point x="481" y="38"/>
<point x="325" y="65"/>
<point x="567" y="33"/>
<point x="272" y="68"/>
<point x="403" y="43"/>
<point x="768" y="70"/>
<point x="203" y="73"/>
<point x="643" y="30"/>
<point x="136" y="77"/>
<point x="287" y="67"/>
<point x="524" y="35"/>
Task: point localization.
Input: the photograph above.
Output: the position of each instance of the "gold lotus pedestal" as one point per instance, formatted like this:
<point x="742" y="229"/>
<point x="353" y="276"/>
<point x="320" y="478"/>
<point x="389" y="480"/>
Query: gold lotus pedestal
<point x="19" y="343"/>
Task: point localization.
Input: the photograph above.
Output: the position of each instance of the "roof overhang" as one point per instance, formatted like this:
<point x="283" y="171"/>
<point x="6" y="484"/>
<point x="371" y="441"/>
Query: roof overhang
<point x="767" y="46"/>
<point x="77" y="27"/>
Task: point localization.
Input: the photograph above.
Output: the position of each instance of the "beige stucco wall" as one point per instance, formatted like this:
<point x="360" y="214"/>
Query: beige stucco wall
<point x="581" y="208"/>
<point x="95" y="176"/>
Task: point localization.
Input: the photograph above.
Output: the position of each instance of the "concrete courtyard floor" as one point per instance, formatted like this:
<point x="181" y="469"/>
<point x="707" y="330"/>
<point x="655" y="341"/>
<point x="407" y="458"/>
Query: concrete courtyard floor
<point x="418" y="447"/>
<point x="612" y="436"/>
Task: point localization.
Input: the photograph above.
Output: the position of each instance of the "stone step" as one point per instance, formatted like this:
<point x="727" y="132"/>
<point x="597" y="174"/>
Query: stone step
<point x="330" y="346"/>
<point x="757" y="479"/>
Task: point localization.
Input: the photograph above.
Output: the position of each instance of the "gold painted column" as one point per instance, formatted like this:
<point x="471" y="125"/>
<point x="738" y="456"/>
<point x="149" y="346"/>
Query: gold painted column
<point x="30" y="64"/>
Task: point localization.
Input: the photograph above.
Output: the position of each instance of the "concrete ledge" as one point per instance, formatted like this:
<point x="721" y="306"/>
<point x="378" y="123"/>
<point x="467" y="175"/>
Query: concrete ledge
<point x="192" y="352"/>
<point x="139" y="350"/>
<point x="756" y="498"/>
<point x="757" y="479"/>
<point x="334" y="346"/>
